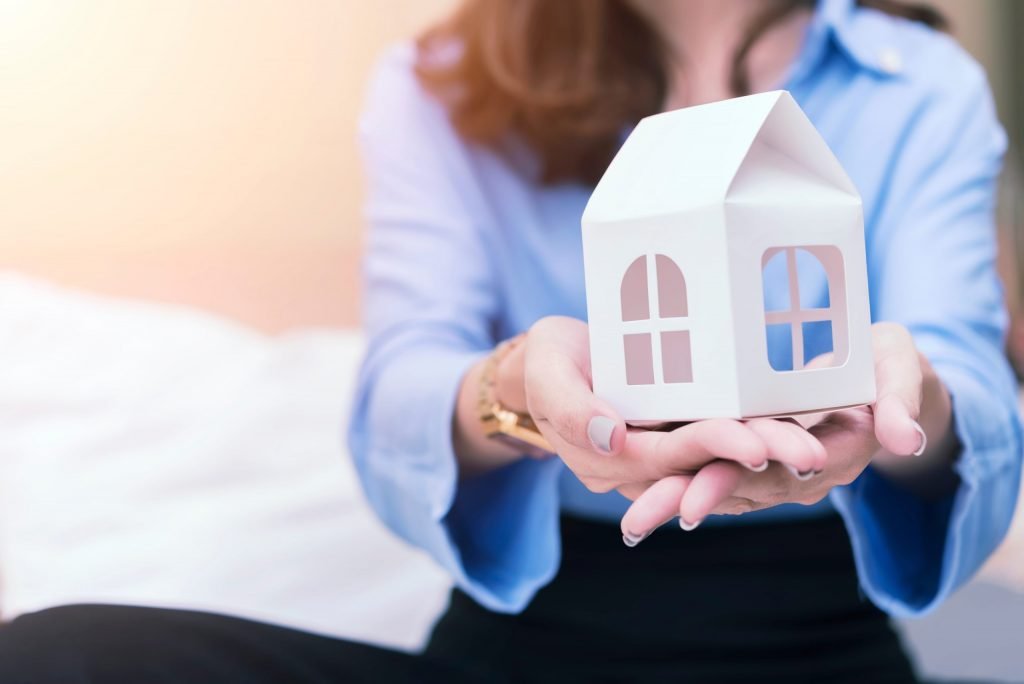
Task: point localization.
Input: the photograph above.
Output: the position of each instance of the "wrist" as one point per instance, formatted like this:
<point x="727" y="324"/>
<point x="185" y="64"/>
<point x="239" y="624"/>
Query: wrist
<point x="493" y="427"/>
<point x="474" y="451"/>
<point x="502" y="410"/>
<point x="510" y="379"/>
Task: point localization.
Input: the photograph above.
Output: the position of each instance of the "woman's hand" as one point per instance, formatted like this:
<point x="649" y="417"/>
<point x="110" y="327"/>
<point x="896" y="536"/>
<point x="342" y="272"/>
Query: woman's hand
<point x="594" y="442"/>
<point x="885" y="433"/>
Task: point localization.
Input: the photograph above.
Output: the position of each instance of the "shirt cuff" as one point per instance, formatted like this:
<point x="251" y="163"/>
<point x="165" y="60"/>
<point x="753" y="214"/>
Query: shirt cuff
<point x="497" y="534"/>
<point x="912" y="553"/>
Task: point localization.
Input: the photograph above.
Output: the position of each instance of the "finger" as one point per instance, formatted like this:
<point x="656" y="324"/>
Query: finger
<point x="849" y="439"/>
<point x="599" y="473"/>
<point x="826" y="360"/>
<point x="711" y="486"/>
<point x="820" y="458"/>
<point x="899" y="379"/>
<point x="633" y="490"/>
<point x="792" y="446"/>
<point x="634" y="464"/>
<point x="656" y="506"/>
<point x="696" y="444"/>
<point x="559" y="393"/>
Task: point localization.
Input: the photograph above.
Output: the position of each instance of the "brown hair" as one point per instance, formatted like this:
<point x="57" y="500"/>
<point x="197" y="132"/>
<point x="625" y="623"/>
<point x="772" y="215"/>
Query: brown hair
<point x="567" y="76"/>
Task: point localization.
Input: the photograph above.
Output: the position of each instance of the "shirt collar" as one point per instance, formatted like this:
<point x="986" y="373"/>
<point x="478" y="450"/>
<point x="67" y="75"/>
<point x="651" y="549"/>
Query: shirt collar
<point x="866" y="38"/>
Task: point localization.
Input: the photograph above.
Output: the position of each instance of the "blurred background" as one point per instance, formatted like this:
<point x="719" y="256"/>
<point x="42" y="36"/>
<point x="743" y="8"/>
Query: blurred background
<point x="194" y="152"/>
<point x="201" y="153"/>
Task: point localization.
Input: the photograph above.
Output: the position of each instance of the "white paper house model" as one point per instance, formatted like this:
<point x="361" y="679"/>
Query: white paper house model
<point x="698" y="210"/>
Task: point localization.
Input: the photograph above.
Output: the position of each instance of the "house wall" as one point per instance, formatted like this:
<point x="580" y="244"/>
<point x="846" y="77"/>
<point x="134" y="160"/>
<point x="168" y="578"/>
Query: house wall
<point x="695" y="241"/>
<point x="752" y="228"/>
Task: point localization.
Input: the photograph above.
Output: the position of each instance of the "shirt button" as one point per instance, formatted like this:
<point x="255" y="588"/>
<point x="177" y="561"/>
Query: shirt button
<point x="890" y="61"/>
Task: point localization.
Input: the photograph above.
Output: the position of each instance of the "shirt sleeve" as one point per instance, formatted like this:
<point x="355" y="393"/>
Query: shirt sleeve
<point x="430" y="305"/>
<point x="931" y="259"/>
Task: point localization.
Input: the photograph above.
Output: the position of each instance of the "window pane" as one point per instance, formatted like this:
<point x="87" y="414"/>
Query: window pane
<point x="813" y="281"/>
<point x="780" y="347"/>
<point x="818" y="340"/>
<point x="676" y="361"/>
<point x="639" y="359"/>
<point x="636" y="305"/>
<point x="671" y="288"/>
<point x="775" y="280"/>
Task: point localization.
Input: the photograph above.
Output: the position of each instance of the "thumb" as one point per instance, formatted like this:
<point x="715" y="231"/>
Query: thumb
<point x="899" y="378"/>
<point x="559" y="393"/>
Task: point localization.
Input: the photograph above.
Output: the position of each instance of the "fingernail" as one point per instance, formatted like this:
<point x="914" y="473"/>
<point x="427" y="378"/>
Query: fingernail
<point x="689" y="527"/>
<point x="599" y="430"/>
<point x="758" y="469"/>
<point x="632" y="540"/>
<point x="924" y="440"/>
<point x="802" y="475"/>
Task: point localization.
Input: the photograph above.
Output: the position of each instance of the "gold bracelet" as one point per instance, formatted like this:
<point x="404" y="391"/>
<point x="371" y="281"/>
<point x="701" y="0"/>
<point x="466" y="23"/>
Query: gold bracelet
<point x="498" y="422"/>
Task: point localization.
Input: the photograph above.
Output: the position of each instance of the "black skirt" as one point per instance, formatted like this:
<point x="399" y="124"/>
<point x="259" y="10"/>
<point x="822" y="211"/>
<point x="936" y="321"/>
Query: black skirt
<point x="745" y="603"/>
<point x="738" y="603"/>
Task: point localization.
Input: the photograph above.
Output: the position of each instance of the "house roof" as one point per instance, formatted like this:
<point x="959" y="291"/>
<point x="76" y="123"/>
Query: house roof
<point x="755" y="149"/>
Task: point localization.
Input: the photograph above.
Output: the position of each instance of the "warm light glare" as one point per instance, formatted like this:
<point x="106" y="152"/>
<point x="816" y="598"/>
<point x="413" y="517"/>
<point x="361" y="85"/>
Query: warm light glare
<point x="199" y="151"/>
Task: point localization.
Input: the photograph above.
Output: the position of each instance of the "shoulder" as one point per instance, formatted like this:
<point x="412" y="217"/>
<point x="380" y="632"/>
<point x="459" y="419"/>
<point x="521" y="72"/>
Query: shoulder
<point x="403" y="125"/>
<point x="403" y="118"/>
<point x="908" y="51"/>
<point x="396" y="102"/>
<point x="920" y="77"/>
<point x="394" y="74"/>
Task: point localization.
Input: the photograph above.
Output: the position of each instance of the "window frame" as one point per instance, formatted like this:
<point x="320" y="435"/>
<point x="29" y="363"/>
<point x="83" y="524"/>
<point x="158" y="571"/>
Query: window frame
<point x="795" y="316"/>
<point x="658" y="329"/>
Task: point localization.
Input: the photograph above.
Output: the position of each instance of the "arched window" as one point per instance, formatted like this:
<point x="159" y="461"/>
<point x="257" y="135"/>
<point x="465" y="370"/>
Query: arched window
<point x="655" y="345"/>
<point x="810" y="319"/>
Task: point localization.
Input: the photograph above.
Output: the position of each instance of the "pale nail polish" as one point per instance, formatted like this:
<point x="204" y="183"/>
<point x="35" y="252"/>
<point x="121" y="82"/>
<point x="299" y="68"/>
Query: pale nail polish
<point x="802" y="475"/>
<point x="632" y="540"/>
<point x="924" y="440"/>
<point x="600" y="430"/>
<point x="689" y="527"/>
<point x="757" y="469"/>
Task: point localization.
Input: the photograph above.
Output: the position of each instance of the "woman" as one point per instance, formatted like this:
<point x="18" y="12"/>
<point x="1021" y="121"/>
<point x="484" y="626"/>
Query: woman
<point x="482" y="145"/>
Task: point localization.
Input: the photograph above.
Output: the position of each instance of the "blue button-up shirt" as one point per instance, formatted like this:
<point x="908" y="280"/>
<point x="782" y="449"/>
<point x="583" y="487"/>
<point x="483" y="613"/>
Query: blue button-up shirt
<point x="464" y="250"/>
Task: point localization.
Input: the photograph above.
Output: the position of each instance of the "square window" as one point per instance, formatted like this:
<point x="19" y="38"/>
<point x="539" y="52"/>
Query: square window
<point x="676" y="359"/>
<point x="780" y="346"/>
<point x="817" y="339"/>
<point x="639" y="359"/>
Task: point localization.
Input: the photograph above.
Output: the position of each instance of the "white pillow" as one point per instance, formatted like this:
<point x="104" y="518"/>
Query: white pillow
<point x="155" y="455"/>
